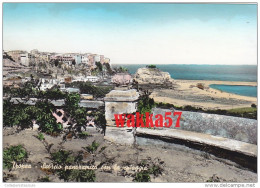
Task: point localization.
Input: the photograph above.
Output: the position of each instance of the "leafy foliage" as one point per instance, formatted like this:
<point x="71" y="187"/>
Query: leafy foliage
<point x="53" y="94"/>
<point x="30" y="90"/>
<point x="151" y="66"/>
<point x="44" y="118"/>
<point x="253" y="105"/>
<point x="214" y="178"/>
<point x="93" y="147"/>
<point x="83" y="135"/>
<point x="40" y="137"/>
<point x="22" y="116"/>
<point x="10" y="114"/>
<point x="78" y="114"/>
<point x="44" y="179"/>
<point x="121" y="69"/>
<point x="25" y="91"/>
<point x="82" y="176"/>
<point x="100" y="119"/>
<point x="14" y="154"/>
<point x="18" y="114"/>
<point x="63" y="158"/>
<point x="99" y="66"/>
<point x="88" y="88"/>
<point x="145" y="104"/>
<point x="155" y="170"/>
<point x="142" y="176"/>
<point x="108" y="68"/>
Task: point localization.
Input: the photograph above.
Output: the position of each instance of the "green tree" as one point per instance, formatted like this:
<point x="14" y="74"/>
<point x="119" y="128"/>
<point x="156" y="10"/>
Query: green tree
<point x="99" y="66"/>
<point x="56" y="62"/>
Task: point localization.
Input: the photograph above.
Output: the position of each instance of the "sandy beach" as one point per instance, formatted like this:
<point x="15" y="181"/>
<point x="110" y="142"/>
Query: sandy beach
<point x="186" y="92"/>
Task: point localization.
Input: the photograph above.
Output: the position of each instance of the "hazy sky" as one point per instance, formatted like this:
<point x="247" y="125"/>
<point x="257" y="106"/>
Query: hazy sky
<point x="136" y="33"/>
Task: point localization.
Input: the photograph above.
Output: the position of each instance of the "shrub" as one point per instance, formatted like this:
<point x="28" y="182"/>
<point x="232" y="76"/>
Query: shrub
<point x="93" y="147"/>
<point x="253" y="105"/>
<point x="155" y="170"/>
<point x="145" y="104"/>
<point x="100" y="119"/>
<point x="72" y="102"/>
<point x="14" y="154"/>
<point x="200" y="86"/>
<point x="82" y="176"/>
<point x="151" y="66"/>
<point x="99" y="66"/>
<point x="54" y="94"/>
<point x="44" y="179"/>
<point x="40" y="137"/>
<point x="142" y="176"/>
<point x="121" y="69"/>
<point x="108" y="68"/>
<point x="63" y="158"/>
<point x="214" y="178"/>
<point x="83" y="135"/>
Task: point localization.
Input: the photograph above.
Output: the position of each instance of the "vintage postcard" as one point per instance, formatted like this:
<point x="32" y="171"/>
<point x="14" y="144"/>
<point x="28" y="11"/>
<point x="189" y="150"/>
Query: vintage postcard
<point x="130" y="92"/>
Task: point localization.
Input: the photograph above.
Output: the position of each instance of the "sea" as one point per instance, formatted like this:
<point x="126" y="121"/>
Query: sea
<point x="243" y="73"/>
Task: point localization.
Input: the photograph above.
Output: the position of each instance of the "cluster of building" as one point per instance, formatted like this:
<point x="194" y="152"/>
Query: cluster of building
<point x="47" y="81"/>
<point x="34" y="56"/>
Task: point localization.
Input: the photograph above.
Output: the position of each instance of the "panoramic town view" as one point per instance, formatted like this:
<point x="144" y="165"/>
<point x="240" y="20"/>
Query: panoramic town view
<point x="129" y="92"/>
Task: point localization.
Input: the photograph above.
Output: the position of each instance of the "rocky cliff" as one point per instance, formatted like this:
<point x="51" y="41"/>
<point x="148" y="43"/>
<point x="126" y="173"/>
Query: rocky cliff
<point x="152" y="76"/>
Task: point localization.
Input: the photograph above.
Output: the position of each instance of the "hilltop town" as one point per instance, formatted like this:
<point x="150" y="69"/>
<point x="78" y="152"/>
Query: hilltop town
<point x="56" y="69"/>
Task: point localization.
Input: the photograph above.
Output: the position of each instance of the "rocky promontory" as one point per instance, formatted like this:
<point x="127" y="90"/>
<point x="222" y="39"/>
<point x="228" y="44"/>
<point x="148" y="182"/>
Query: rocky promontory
<point x="152" y="76"/>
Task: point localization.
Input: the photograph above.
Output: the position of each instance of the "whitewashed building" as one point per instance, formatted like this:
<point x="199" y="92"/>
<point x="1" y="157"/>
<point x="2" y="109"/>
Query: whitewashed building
<point x="24" y="59"/>
<point x="92" y="78"/>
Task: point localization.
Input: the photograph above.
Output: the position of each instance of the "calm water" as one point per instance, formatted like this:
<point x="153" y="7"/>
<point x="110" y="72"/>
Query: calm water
<point x="244" y="73"/>
<point x="250" y="91"/>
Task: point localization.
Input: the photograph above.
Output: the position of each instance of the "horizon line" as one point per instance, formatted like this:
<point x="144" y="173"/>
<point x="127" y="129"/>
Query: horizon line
<point x="176" y="64"/>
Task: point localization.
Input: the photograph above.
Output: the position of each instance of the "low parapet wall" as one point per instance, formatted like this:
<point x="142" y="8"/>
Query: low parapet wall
<point x="241" y="129"/>
<point x="242" y="153"/>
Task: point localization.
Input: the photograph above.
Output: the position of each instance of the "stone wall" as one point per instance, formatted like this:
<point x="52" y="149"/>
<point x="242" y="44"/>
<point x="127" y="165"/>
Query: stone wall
<point x="237" y="128"/>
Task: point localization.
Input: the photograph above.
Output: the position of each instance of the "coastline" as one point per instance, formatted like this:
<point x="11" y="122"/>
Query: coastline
<point x="187" y="93"/>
